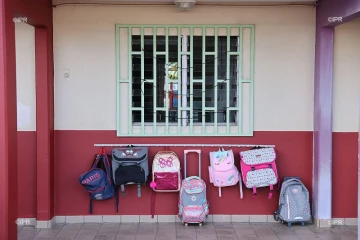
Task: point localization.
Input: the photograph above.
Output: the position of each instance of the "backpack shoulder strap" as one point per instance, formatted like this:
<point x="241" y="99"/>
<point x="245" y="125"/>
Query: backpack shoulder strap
<point x="102" y="156"/>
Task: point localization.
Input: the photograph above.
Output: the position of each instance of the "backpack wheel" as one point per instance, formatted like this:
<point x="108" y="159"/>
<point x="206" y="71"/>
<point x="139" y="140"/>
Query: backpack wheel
<point x="302" y="223"/>
<point x="186" y="224"/>
<point x="289" y="224"/>
<point x="200" y="224"/>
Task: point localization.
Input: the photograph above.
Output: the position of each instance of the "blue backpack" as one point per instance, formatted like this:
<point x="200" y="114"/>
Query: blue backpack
<point x="98" y="180"/>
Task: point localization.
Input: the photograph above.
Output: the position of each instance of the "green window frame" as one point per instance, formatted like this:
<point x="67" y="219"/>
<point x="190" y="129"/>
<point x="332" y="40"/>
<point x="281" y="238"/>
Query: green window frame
<point x="145" y="109"/>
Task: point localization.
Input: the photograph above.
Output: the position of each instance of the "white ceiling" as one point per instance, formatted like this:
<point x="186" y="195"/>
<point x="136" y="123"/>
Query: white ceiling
<point x="198" y="2"/>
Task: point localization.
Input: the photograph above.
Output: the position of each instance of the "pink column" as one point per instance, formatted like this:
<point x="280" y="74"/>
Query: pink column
<point x="44" y="125"/>
<point x="8" y="125"/>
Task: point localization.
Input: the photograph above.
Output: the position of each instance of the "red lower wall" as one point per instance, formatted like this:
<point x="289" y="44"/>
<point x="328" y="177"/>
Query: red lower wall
<point x="74" y="151"/>
<point x="26" y="174"/>
<point x="345" y="174"/>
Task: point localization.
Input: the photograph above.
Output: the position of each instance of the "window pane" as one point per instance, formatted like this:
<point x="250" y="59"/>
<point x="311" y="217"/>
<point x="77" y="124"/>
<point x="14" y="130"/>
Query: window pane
<point x="221" y="103"/>
<point x="233" y="116"/>
<point x="136" y="43"/>
<point x="209" y="81"/>
<point x="197" y="58"/>
<point x="173" y="102"/>
<point x="160" y="116"/>
<point x="173" y="73"/>
<point x="210" y="44"/>
<point x="136" y="80"/>
<point x="234" y="43"/>
<point x="160" y="40"/>
<point x="160" y="81"/>
<point x="148" y="57"/>
<point x="233" y="80"/>
<point x="148" y="102"/>
<point x="222" y="47"/>
<point x="136" y="116"/>
<point x="197" y="97"/>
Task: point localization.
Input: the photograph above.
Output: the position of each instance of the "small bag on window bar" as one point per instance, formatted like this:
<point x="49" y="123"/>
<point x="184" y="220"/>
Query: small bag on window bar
<point x="258" y="169"/>
<point x="130" y="166"/>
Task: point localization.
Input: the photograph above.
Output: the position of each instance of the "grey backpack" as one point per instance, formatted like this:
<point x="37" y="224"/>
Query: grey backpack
<point x="130" y="166"/>
<point x="294" y="205"/>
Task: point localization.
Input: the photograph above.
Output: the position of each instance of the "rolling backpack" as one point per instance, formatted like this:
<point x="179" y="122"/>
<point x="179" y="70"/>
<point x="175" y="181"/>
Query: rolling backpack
<point x="258" y="169"/>
<point x="222" y="170"/>
<point x="130" y="166"/>
<point x="294" y="205"/>
<point x="193" y="204"/>
<point x="166" y="175"/>
<point x="97" y="181"/>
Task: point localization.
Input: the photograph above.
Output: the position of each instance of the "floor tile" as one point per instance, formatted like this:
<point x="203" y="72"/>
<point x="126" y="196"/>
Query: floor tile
<point x="105" y="237"/>
<point x="165" y="237"/>
<point x="288" y="237"/>
<point x="248" y="237"/>
<point x="125" y="237"/>
<point x="227" y="237"/>
<point x="224" y="231"/>
<point x="85" y="237"/>
<point x="200" y="232"/>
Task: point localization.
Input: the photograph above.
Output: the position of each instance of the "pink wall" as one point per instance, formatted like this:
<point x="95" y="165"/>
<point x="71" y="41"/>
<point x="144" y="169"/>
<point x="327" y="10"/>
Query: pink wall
<point x="74" y="152"/>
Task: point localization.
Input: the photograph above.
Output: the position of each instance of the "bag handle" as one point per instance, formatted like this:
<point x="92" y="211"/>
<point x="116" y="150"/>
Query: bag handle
<point x="166" y="152"/>
<point x="195" y="151"/>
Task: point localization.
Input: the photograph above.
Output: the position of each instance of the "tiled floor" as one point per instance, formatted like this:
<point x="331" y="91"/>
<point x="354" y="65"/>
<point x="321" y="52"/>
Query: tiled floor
<point x="174" y="231"/>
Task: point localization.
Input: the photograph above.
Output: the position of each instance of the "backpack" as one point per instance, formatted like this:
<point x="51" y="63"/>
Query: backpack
<point x="130" y="166"/>
<point x="193" y="204"/>
<point x="294" y="205"/>
<point x="222" y="170"/>
<point x="97" y="181"/>
<point x="166" y="175"/>
<point x="258" y="169"/>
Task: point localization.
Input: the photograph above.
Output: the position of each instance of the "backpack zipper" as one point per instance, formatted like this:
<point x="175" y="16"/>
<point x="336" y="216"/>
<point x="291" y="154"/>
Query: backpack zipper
<point x="288" y="204"/>
<point x="97" y="190"/>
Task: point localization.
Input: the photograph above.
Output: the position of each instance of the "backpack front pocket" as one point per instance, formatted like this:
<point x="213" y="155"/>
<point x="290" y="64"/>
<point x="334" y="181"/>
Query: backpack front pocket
<point x="223" y="179"/>
<point x="129" y="174"/>
<point x="166" y="180"/>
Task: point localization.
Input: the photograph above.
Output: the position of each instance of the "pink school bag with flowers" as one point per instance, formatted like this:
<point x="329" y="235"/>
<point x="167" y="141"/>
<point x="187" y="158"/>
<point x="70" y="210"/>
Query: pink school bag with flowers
<point x="222" y="170"/>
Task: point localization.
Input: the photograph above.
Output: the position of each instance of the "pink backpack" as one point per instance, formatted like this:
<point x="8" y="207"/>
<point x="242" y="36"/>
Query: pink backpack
<point x="258" y="169"/>
<point x="166" y="175"/>
<point x="222" y="170"/>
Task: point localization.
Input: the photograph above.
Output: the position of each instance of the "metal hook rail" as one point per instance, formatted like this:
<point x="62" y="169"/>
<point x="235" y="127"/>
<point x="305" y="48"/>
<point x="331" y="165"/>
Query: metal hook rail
<point x="181" y="145"/>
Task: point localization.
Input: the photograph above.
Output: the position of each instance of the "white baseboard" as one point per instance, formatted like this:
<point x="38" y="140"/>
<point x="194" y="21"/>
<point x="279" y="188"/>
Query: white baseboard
<point x="168" y="218"/>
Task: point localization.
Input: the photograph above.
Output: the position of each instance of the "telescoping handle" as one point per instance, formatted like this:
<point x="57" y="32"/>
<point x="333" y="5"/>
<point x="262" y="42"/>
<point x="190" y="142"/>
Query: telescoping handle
<point x="189" y="151"/>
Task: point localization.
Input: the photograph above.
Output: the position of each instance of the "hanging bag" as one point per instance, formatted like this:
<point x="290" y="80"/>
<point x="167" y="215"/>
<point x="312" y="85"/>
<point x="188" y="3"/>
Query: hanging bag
<point x="222" y="170"/>
<point x="97" y="181"/>
<point x="166" y="175"/>
<point x="258" y="169"/>
<point x="130" y="166"/>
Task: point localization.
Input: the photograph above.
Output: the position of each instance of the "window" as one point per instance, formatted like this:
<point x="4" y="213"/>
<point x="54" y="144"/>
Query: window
<point x="184" y="80"/>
